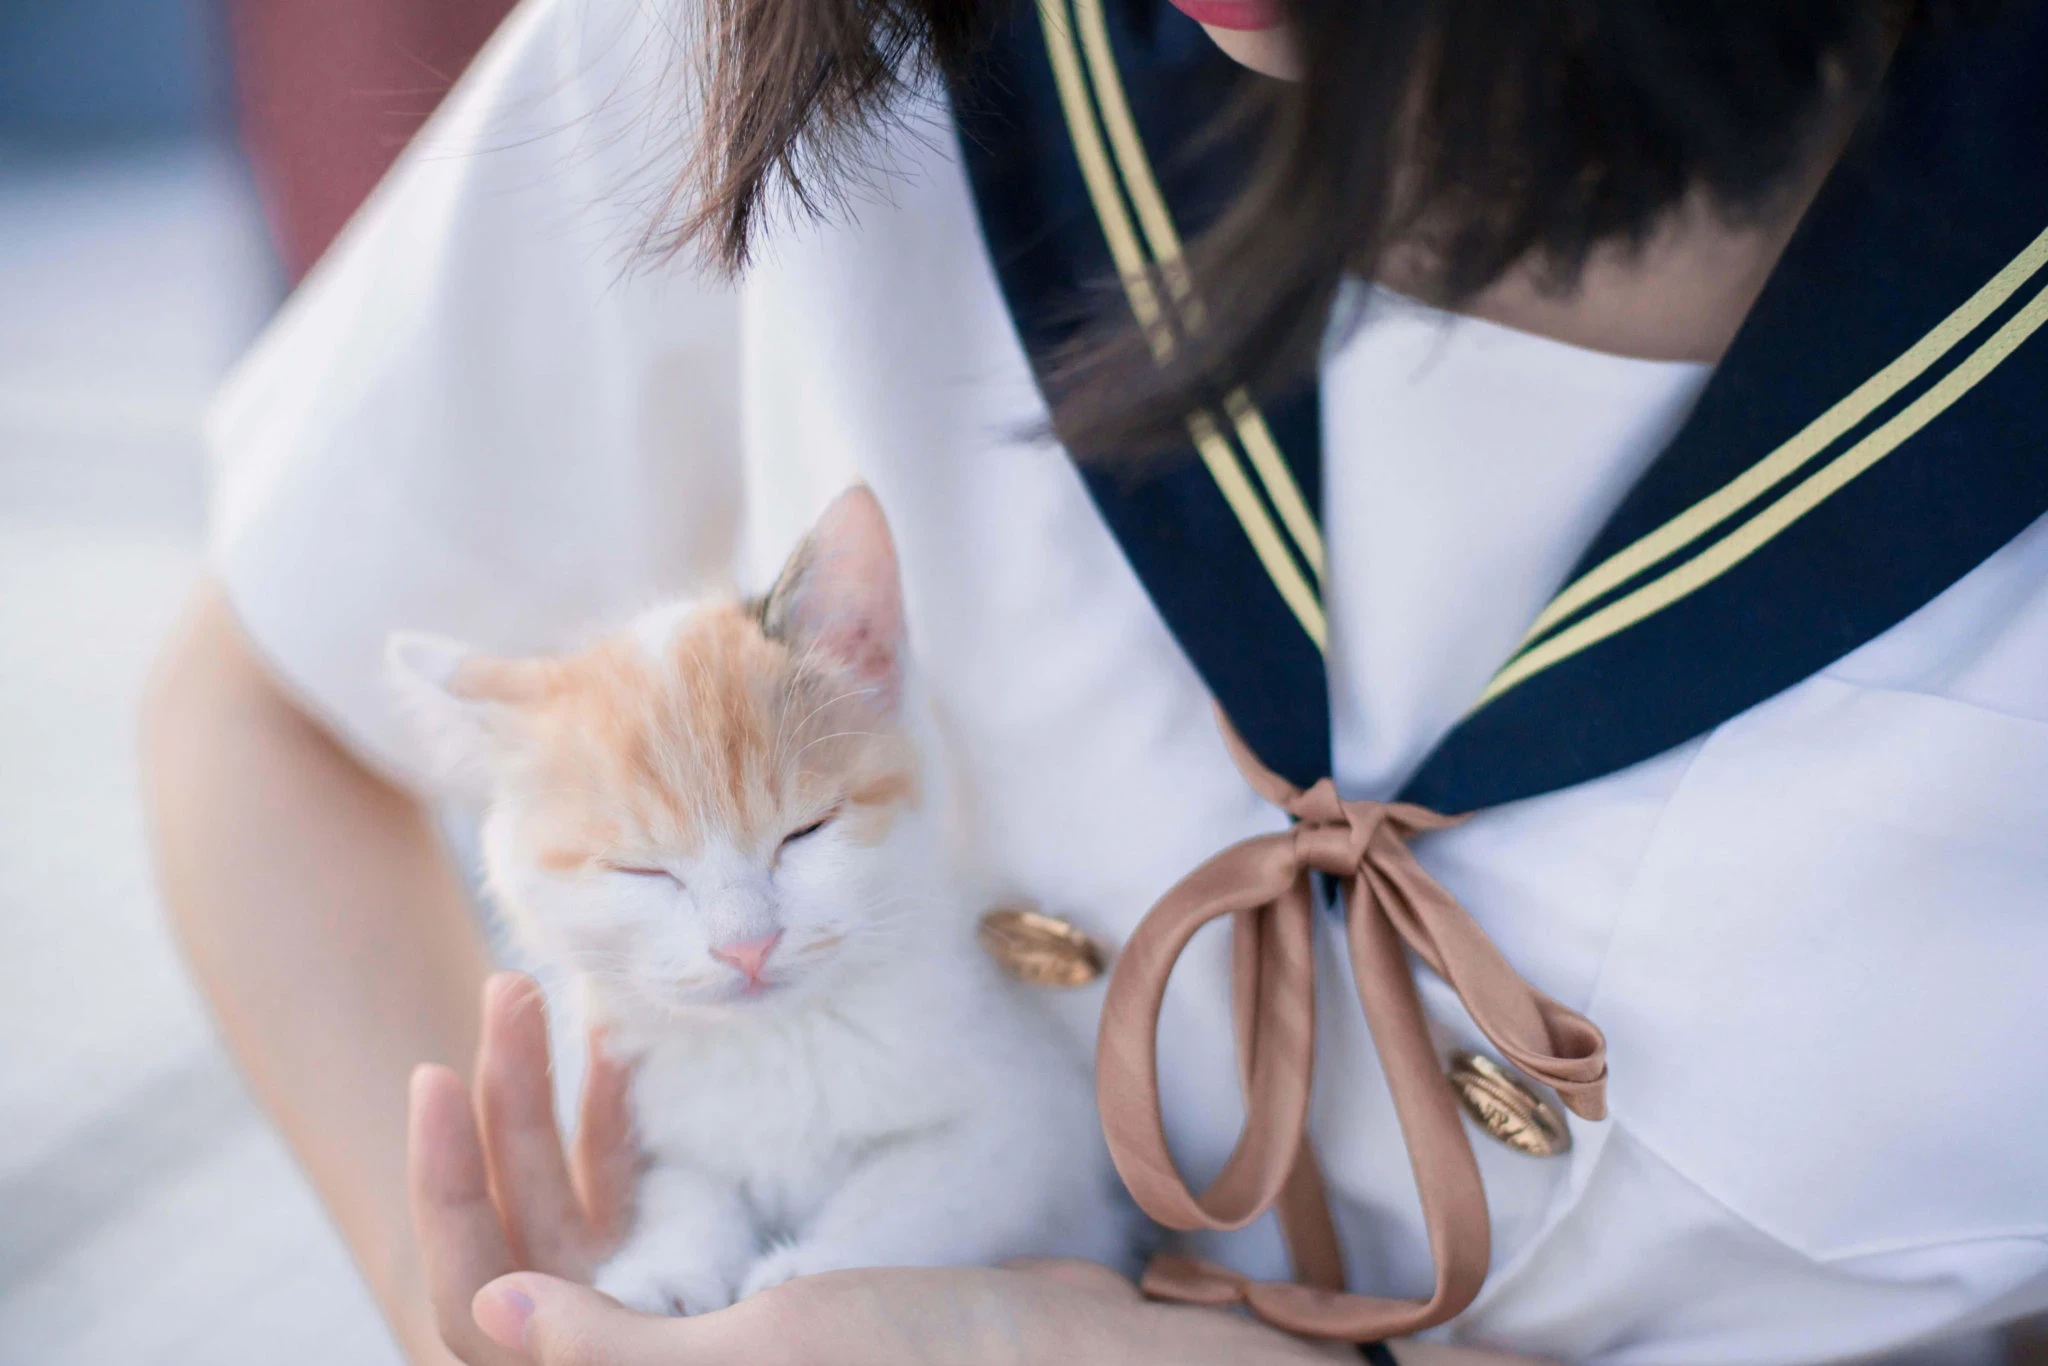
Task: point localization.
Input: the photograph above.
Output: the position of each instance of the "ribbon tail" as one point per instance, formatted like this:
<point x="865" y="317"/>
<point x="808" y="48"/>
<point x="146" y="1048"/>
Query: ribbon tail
<point x="1189" y="1280"/>
<point x="1542" y="1037"/>
<point x="1305" y="1223"/>
<point x="1303" y="1206"/>
<point x="1446" y="1174"/>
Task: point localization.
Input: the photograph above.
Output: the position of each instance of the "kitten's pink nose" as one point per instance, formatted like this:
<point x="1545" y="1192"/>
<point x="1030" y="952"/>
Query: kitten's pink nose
<point x="748" y="955"/>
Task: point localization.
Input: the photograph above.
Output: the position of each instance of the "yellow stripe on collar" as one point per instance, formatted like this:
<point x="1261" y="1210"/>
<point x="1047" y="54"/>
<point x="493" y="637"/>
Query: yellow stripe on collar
<point x="1157" y="221"/>
<point x="1722" y="555"/>
<point x="1094" y="135"/>
<point x="1822" y="432"/>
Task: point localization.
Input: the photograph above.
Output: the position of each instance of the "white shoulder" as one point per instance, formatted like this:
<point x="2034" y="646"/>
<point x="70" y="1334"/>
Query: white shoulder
<point x="488" y="413"/>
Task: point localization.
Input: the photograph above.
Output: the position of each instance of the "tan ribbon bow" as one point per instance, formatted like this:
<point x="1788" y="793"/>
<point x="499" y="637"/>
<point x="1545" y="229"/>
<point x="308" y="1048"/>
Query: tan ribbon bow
<point x="1265" y="884"/>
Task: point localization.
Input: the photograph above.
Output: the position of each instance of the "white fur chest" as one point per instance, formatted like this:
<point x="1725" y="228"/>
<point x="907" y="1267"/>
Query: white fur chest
<point x="784" y="1107"/>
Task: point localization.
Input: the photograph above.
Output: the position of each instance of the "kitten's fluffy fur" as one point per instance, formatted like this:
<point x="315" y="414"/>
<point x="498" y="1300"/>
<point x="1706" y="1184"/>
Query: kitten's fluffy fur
<point x="872" y="1092"/>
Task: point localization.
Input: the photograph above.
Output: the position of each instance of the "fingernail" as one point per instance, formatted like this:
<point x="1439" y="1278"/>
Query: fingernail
<point x="502" y="1310"/>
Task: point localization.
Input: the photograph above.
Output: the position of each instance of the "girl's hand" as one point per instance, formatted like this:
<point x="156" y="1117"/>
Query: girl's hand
<point x="1076" y="1313"/>
<point x="493" y="1190"/>
<point x="1073" y="1313"/>
<point x="510" y="1230"/>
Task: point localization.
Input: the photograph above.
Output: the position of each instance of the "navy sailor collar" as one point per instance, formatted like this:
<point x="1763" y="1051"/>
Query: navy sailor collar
<point x="1879" y="427"/>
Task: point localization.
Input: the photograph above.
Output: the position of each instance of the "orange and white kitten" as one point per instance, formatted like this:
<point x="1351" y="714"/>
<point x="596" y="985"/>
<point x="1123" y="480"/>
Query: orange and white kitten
<point x="723" y="824"/>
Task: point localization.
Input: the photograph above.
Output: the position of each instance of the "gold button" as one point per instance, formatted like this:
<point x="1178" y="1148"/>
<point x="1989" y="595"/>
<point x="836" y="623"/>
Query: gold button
<point x="1507" y="1108"/>
<point x="1041" y="949"/>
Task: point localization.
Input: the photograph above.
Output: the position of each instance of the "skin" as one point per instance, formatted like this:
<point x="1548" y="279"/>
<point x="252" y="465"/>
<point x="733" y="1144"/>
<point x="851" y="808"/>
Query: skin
<point x="320" y="916"/>
<point x="339" y="951"/>
<point x="1268" y="51"/>
<point x="1681" y="296"/>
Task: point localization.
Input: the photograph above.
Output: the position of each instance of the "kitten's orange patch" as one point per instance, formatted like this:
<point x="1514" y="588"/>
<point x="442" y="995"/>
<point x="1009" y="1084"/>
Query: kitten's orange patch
<point x="725" y="730"/>
<point x="563" y="860"/>
<point x="830" y="941"/>
<point x="897" y="788"/>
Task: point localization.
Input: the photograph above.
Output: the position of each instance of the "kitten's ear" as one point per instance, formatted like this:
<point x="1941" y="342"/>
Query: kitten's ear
<point x="461" y="702"/>
<point x="839" y="595"/>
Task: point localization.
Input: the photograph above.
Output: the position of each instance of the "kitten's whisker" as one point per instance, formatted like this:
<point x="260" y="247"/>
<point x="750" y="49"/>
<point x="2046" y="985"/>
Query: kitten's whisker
<point x="820" y="945"/>
<point x="831" y="702"/>
<point x="835" y="735"/>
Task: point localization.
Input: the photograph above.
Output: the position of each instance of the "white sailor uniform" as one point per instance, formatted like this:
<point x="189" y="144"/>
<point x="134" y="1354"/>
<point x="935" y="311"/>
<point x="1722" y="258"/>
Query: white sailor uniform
<point x="1812" y="928"/>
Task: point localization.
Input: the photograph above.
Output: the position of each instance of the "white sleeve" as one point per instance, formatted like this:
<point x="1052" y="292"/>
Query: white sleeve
<point x="486" y="413"/>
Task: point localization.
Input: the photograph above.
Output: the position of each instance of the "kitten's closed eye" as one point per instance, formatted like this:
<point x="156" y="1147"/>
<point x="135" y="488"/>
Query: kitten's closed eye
<point x="813" y="828"/>
<point x="634" y="870"/>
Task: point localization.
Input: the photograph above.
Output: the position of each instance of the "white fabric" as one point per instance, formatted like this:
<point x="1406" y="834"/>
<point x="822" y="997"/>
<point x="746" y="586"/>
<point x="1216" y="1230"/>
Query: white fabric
<point x="1813" y="936"/>
<point x="1467" y="466"/>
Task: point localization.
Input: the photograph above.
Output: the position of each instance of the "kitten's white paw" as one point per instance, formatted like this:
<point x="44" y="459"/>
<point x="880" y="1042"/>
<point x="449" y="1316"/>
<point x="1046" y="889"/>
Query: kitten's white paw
<point x="651" y="1286"/>
<point x="784" y="1263"/>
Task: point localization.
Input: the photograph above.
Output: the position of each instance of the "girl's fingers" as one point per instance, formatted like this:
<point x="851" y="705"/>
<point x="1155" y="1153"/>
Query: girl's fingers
<point x="522" y="1144"/>
<point x="461" y="1244"/>
<point x="606" y="1161"/>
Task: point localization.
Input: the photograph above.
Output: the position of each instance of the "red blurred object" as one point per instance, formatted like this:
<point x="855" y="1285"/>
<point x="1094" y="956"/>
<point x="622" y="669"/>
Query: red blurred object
<point x="331" y="90"/>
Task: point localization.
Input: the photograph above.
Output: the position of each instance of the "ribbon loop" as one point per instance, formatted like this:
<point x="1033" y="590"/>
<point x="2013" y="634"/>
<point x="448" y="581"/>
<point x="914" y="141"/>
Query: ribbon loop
<point x="1391" y="904"/>
<point x="1255" y="881"/>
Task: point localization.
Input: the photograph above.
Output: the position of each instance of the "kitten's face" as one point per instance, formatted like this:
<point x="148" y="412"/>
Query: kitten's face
<point x="720" y="811"/>
<point x="705" y="818"/>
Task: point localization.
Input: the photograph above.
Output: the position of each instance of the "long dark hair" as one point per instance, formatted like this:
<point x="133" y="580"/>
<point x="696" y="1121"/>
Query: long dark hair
<point x="1483" y="133"/>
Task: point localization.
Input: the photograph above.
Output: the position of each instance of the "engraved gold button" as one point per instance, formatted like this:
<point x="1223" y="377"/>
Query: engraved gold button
<point x="1041" y="949"/>
<point x="1507" y="1108"/>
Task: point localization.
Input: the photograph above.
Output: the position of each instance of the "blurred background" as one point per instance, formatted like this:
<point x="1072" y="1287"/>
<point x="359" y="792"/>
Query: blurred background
<point x="167" y="169"/>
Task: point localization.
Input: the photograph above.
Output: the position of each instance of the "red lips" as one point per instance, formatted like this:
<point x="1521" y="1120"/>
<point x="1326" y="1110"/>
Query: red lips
<point x="1244" y="15"/>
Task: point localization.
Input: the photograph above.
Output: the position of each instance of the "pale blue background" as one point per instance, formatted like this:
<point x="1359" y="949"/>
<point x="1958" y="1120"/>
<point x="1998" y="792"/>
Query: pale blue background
<point x="147" y="1214"/>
